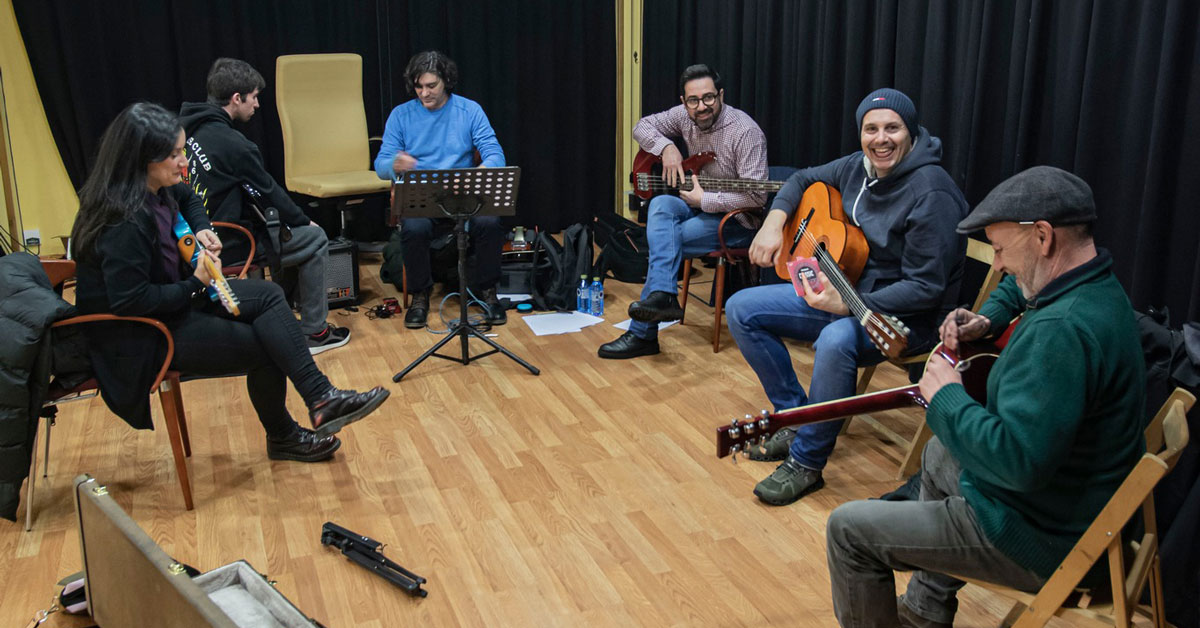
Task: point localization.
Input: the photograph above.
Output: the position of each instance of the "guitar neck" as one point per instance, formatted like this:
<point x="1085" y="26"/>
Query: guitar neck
<point x="842" y="284"/>
<point x="738" y="436"/>
<point x="654" y="183"/>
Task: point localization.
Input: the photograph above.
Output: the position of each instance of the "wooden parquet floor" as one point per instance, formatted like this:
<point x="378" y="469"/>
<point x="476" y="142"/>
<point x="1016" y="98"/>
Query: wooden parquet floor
<point x="587" y="496"/>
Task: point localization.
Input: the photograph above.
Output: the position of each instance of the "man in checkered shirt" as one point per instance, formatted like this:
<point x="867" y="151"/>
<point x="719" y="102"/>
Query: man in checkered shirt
<point x="686" y="225"/>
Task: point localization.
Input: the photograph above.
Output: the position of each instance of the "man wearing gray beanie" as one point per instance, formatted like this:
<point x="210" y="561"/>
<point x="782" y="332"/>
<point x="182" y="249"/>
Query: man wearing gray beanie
<point x="1008" y="487"/>
<point x="906" y="205"/>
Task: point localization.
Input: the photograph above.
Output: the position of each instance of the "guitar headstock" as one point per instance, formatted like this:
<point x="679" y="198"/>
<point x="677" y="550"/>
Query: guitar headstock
<point x="888" y="333"/>
<point x="740" y="436"/>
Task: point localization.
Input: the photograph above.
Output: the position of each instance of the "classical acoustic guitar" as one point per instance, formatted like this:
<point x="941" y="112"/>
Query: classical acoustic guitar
<point x="819" y="229"/>
<point x="973" y="361"/>
<point x="646" y="177"/>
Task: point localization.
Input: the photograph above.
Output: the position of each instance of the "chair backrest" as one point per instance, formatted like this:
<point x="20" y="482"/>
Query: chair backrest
<point x="320" y="102"/>
<point x="1154" y="429"/>
<point x="58" y="270"/>
<point x="982" y="252"/>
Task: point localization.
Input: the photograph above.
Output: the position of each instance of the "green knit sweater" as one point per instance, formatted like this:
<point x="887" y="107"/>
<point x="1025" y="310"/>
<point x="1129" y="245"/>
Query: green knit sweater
<point x="1064" y="418"/>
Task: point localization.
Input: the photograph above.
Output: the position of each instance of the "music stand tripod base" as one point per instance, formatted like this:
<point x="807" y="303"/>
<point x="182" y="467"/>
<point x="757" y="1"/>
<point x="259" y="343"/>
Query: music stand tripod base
<point x="459" y="194"/>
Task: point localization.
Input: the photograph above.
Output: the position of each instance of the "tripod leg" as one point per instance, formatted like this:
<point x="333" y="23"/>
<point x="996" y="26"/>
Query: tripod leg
<point x="450" y="336"/>
<point x="495" y="345"/>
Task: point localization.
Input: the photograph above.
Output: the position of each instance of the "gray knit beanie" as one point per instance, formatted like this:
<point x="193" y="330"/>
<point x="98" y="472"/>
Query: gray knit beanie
<point x="894" y="99"/>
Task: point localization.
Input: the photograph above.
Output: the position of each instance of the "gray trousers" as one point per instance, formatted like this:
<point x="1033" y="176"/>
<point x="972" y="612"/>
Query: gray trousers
<point x="308" y="251"/>
<point x="868" y="540"/>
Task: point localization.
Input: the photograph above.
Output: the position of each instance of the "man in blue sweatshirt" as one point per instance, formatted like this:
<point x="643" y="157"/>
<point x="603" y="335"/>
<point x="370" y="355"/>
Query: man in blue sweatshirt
<point x="906" y="205"/>
<point x="1010" y="485"/>
<point x="436" y="130"/>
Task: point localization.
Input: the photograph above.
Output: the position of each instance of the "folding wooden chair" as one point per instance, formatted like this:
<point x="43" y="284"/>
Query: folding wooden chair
<point x="1168" y="435"/>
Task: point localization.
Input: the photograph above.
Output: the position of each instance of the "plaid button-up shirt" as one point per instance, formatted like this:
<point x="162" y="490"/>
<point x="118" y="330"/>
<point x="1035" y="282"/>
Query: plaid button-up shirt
<point x="738" y="142"/>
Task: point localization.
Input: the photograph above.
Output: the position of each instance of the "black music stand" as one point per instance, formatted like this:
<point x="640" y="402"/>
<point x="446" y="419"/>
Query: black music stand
<point x="459" y="194"/>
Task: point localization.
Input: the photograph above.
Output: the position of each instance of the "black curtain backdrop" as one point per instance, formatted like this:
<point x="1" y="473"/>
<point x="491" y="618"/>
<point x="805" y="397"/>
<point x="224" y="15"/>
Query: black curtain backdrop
<point x="543" y="71"/>
<point x="1101" y="88"/>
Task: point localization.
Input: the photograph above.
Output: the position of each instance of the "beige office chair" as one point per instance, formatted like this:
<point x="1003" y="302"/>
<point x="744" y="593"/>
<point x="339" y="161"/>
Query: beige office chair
<point x="326" y="150"/>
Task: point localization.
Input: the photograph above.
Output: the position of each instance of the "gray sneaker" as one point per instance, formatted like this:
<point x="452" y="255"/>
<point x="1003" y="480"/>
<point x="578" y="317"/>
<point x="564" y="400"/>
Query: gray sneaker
<point x="789" y="482"/>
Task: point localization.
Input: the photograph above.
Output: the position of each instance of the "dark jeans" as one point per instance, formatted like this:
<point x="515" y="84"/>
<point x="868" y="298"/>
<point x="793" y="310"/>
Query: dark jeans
<point x="264" y="343"/>
<point x="485" y="232"/>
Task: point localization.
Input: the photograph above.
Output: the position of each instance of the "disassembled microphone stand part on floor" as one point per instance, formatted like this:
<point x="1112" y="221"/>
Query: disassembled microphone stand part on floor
<point x="368" y="553"/>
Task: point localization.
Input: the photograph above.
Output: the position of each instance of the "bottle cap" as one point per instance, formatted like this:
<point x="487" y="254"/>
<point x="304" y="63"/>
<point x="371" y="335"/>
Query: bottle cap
<point x="595" y="279"/>
<point x="524" y="307"/>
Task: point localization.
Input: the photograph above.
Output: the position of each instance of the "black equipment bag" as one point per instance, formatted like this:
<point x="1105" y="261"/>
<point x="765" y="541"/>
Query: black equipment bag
<point x="557" y="267"/>
<point x="624" y="253"/>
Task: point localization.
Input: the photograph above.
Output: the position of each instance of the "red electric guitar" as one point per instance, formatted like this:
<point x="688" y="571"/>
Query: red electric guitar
<point x="973" y="361"/>
<point x="646" y="177"/>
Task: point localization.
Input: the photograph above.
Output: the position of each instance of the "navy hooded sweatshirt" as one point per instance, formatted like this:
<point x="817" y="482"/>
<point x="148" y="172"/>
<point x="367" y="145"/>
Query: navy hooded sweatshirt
<point x="909" y="217"/>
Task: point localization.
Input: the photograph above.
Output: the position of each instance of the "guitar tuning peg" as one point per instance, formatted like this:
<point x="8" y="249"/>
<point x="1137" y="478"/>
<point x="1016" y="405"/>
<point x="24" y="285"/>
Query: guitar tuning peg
<point x="733" y="452"/>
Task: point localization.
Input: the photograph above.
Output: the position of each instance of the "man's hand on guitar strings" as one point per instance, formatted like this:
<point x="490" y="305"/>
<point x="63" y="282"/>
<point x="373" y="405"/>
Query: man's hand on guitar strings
<point x="403" y="162"/>
<point x="825" y="300"/>
<point x="672" y="166"/>
<point x="963" y="325"/>
<point x="768" y="242"/>
<point x="938" y="373"/>
<point x="209" y="239"/>
<point x="694" y="196"/>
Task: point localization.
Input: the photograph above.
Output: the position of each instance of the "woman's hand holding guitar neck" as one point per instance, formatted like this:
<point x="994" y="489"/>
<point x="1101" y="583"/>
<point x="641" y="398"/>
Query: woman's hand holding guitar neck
<point x="202" y="269"/>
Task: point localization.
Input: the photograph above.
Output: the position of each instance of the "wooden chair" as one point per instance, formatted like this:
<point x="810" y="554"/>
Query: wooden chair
<point x="166" y="383"/>
<point x="1167" y="435"/>
<point x="978" y="251"/>
<point x="725" y="258"/>
<point x="240" y="268"/>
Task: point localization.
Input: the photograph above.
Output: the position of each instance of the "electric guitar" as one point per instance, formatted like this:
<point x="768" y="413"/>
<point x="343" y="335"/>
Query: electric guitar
<point x="973" y="361"/>
<point x="646" y="177"/>
<point x="819" y="229"/>
<point x="190" y="248"/>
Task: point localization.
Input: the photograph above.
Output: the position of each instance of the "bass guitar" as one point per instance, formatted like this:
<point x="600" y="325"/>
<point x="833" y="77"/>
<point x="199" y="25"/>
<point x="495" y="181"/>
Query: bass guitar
<point x="819" y="229"/>
<point x="190" y="248"/>
<point x="646" y="177"/>
<point x="973" y="361"/>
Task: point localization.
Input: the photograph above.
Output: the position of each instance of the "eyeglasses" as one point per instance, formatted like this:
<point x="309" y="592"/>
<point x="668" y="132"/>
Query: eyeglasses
<point x="708" y="99"/>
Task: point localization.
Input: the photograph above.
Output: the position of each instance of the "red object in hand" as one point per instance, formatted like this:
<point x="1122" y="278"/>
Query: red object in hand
<point x="806" y="266"/>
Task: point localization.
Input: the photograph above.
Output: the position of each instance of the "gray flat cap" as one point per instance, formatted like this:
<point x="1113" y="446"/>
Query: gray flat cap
<point x="1039" y="193"/>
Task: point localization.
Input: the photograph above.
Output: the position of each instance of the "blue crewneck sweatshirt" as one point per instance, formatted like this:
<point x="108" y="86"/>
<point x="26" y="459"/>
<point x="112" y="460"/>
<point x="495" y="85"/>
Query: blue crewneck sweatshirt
<point x="446" y="138"/>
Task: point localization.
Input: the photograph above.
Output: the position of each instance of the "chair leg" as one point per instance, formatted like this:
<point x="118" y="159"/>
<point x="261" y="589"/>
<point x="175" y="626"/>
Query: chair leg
<point x="166" y="396"/>
<point x="718" y="305"/>
<point x="30" y="484"/>
<point x="683" y="291"/>
<point x="46" y="458"/>
<point x="1157" y="603"/>
<point x="1013" y="614"/>
<point x="404" y="286"/>
<point x="183" y="428"/>
<point x="864" y="380"/>
<point x="912" y="459"/>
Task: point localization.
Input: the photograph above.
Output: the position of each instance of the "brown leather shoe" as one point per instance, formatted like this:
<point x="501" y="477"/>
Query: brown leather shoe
<point x="303" y="446"/>
<point x="339" y="408"/>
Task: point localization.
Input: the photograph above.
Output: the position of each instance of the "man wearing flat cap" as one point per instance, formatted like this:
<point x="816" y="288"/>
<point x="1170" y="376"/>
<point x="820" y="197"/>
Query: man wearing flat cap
<point x="1009" y="486"/>
<point x="896" y="191"/>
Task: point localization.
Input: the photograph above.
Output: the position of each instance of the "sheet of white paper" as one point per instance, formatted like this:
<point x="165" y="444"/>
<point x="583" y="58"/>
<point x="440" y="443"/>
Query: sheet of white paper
<point x="515" y="298"/>
<point x="624" y="325"/>
<point x="559" y="322"/>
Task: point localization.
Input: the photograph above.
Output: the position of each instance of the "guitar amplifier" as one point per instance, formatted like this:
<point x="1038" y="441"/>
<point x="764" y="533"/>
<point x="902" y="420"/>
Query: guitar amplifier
<point x="341" y="273"/>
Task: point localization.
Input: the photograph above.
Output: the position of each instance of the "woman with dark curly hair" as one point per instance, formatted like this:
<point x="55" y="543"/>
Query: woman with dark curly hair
<point x="128" y="263"/>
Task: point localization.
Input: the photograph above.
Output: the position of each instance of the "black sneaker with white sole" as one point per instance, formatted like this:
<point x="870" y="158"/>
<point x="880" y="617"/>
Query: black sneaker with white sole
<point x="331" y="337"/>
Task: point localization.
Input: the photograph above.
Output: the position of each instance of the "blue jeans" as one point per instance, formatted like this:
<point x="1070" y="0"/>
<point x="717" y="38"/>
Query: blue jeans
<point x="675" y="231"/>
<point x="759" y="317"/>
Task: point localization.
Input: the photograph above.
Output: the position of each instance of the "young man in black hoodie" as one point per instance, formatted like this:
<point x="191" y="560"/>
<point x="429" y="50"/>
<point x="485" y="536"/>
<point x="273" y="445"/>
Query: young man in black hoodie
<point x="907" y="207"/>
<point x="221" y="159"/>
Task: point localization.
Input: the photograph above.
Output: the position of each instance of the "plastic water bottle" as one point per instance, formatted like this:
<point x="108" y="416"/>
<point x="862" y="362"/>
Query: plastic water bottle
<point x="583" y="296"/>
<point x="597" y="297"/>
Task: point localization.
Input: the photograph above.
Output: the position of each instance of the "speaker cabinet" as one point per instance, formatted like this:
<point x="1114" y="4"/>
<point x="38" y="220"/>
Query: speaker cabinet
<point x="341" y="273"/>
